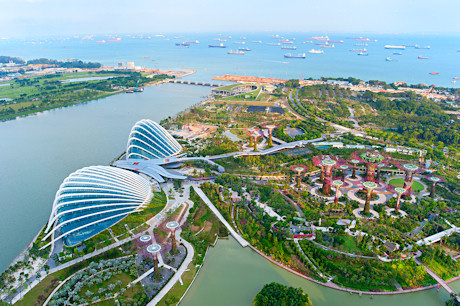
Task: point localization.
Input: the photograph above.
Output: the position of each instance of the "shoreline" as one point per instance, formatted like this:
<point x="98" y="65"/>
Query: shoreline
<point x="344" y="289"/>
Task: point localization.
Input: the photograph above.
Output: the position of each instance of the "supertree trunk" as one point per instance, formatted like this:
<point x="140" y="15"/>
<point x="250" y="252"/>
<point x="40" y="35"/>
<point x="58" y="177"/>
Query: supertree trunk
<point x="336" y="200"/>
<point x="353" y="175"/>
<point x="298" y="181"/>
<point x="433" y="188"/>
<point x="251" y="143"/>
<point x="321" y="176"/>
<point x="270" y="141"/>
<point x="398" y="204"/>
<point x="255" y="145"/>
<point x="326" y="188"/>
<point x="367" y="205"/>
<point x="156" y="270"/>
<point x="173" y="243"/>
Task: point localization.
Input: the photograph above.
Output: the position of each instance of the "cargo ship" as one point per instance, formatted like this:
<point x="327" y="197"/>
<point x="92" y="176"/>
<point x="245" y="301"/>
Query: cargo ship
<point x="418" y="47"/>
<point x="326" y="45"/>
<point x="239" y="52"/>
<point x="184" y="44"/>
<point x="363" y="53"/>
<point x="300" y="55"/>
<point x="395" y="47"/>
<point x="313" y="51"/>
<point x="274" y="44"/>
<point x="240" y="42"/>
<point x="389" y="59"/>
<point x="358" y="50"/>
<point x="244" y="49"/>
<point x="289" y="47"/>
<point x="434" y="73"/>
<point x="286" y="41"/>
<point x="257" y="41"/>
<point x="116" y="39"/>
<point x="422" y="57"/>
<point x="365" y="40"/>
<point x="397" y="53"/>
<point x="221" y="45"/>
<point x="192" y="42"/>
<point x="101" y="42"/>
<point x="319" y="38"/>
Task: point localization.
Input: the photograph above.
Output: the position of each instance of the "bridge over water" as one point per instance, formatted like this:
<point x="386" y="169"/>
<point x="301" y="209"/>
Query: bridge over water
<point x="196" y="83"/>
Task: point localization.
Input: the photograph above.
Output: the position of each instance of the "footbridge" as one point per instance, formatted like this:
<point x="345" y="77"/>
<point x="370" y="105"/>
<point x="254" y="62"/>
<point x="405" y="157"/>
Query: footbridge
<point x="438" y="279"/>
<point x="196" y="83"/>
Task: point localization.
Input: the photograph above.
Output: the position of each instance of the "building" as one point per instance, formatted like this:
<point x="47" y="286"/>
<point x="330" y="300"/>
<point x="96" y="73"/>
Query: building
<point x="406" y="151"/>
<point x="130" y="65"/>
<point x="149" y="140"/>
<point x="93" y="199"/>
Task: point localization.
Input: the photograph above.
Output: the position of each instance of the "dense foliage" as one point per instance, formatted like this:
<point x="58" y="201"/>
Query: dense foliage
<point x="275" y="294"/>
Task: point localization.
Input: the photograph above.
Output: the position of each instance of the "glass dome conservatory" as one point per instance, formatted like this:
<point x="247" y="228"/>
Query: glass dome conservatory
<point x="93" y="199"/>
<point x="149" y="140"/>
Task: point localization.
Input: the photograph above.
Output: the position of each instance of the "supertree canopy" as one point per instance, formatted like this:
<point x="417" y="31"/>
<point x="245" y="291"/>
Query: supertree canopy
<point x="253" y="135"/>
<point x="327" y="163"/>
<point x="298" y="169"/>
<point x="270" y="128"/>
<point x="410" y="168"/>
<point x="371" y="159"/>
<point x="434" y="179"/>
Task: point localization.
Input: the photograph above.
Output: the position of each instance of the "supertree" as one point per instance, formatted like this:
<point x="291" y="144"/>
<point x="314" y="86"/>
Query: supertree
<point x="154" y="251"/>
<point x="410" y="168"/>
<point x="435" y="179"/>
<point x="354" y="162"/>
<point x="370" y="186"/>
<point x="270" y="128"/>
<point x="298" y="169"/>
<point x="399" y="191"/>
<point x="371" y="160"/>
<point x="253" y="136"/>
<point x="172" y="226"/>
<point x="327" y="163"/>
<point x="343" y="168"/>
<point x="337" y="184"/>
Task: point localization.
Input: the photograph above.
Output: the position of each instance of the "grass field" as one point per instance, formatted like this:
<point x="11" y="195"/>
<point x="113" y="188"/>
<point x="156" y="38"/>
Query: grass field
<point x="40" y="293"/>
<point x="399" y="182"/>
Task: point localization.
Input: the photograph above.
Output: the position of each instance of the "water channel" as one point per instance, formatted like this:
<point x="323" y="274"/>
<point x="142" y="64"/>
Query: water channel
<point x="232" y="275"/>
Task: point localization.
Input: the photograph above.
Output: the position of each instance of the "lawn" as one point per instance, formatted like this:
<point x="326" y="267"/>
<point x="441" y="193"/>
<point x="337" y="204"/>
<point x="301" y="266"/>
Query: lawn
<point x="40" y="293"/>
<point x="399" y="182"/>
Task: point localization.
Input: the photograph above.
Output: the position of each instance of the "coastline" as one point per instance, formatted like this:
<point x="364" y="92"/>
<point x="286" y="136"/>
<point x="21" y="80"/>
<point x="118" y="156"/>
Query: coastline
<point x="336" y="287"/>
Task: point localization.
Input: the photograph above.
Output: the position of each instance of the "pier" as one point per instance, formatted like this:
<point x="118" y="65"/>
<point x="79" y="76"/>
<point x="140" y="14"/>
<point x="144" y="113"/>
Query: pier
<point x="196" y="83"/>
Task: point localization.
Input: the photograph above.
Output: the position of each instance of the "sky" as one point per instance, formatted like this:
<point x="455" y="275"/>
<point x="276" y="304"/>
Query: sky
<point x="66" y="17"/>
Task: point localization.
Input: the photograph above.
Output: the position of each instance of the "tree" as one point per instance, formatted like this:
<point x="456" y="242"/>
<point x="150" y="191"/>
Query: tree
<point x="280" y="295"/>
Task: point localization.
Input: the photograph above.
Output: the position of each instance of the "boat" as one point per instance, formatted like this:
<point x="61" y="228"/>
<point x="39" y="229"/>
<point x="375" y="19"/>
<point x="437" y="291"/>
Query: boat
<point x="313" y="51"/>
<point x="116" y="39"/>
<point x="326" y="45"/>
<point x="365" y="40"/>
<point x="221" y="45"/>
<point x="286" y="41"/>
<point x="336" y="41"/>
<point x="418" y="47"/>
<point x="192" y="42"/>
<point x="361" y="44"/>
<point x="240" y="42"/>
<point x="101" y="42"/>
<point x="139" y="90"/>
<point x="388" y="59"/>
<point x="184" y="44"/>
<point x="319" y="38"/>
<point x="145" y="57"/>
<point x="178" y="37"/>
<point x="239" y="52"/>
<point x="358" y="50"/>
<point x="394" y="47"/>
<point x="422" y="57"/>
<point x="434" y="73"/>
<point x="257" y="41"/>
<point x="363" y="53"/>
<point x="244" y="49"/>
<point x="274" y="44"/>
<point x="397" y="53"/>
<point x="300" y="55"/>
<point x="456" y="78"/>
<point x="289" y="47"/>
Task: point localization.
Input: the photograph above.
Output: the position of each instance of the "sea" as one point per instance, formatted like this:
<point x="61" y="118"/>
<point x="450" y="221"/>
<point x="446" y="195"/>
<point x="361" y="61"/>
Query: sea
<point x="264" y="59"/>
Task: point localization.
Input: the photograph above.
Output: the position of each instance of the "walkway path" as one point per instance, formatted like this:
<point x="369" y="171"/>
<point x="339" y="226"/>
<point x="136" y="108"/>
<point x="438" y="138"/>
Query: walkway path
<point x="211" y="206"/>
<point x="308" y="259"/>
<point x="438" y="279"/>
<point x="177" y="276"/>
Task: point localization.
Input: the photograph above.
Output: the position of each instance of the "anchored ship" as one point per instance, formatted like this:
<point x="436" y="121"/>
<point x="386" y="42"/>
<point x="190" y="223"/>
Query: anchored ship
<point x="300" y="55"/>
<point x="395" y="47"/>
<point x="313" y="51"/>
<point x="235" y="52"/>
<point x="221" y="45"/>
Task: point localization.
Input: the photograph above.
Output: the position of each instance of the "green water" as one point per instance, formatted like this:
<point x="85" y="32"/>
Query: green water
<point x="232" y="275"/>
